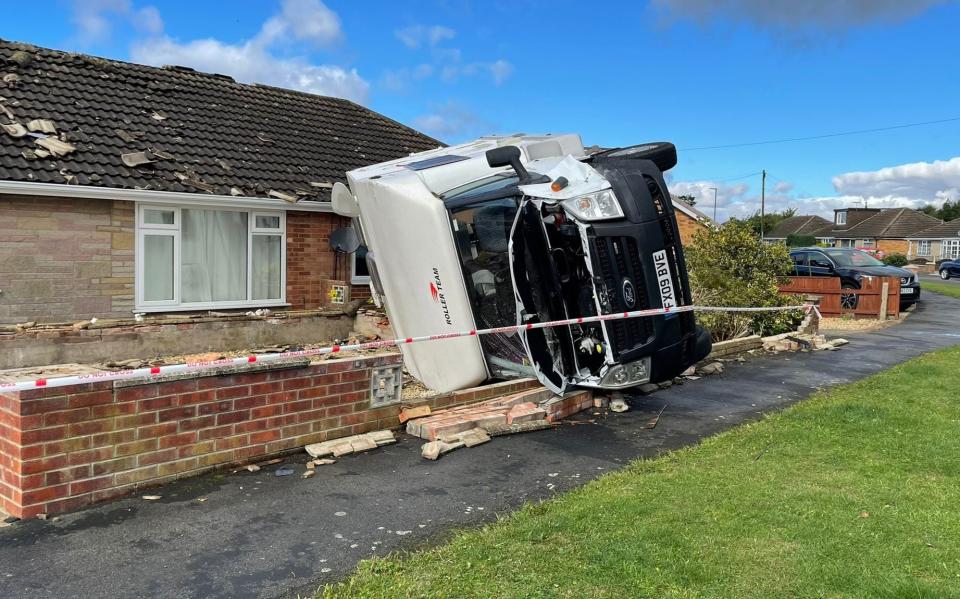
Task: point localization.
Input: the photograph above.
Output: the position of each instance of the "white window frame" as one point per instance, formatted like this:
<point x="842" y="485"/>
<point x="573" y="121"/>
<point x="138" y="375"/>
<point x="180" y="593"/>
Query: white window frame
<point x="840" y="218"/>
<point x="143" y="229"/>
<point x="923" y="247"/>
<point x="950" y="249"/>
<point x="868" y="243"/>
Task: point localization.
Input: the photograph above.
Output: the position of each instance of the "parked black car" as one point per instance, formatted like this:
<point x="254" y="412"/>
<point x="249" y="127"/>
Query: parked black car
<point x="949" y="268"/>
<point x="851" y="266"/>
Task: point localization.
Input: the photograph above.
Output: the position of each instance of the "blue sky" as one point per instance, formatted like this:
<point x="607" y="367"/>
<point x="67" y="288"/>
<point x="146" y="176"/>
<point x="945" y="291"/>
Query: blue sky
<point x="695" y="72"/>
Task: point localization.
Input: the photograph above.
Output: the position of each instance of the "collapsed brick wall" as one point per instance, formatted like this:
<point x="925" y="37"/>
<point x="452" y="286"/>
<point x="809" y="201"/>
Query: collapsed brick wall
<point x="64" y="448"/>
<point x="65" y="258"/>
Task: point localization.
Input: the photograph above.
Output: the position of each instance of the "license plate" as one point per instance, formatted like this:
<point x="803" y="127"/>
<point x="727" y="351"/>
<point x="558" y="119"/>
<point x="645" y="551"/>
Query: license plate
<point x="906" y="291"/>
<point x="664" y="280"/>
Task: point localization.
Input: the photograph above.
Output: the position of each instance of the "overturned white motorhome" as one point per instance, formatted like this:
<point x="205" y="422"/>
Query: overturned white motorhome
<point x="521" y="229"/>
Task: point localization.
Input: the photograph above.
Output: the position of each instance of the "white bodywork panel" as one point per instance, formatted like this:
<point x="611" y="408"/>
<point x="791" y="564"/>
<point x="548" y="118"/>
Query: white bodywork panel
<point x="407" y="228"/>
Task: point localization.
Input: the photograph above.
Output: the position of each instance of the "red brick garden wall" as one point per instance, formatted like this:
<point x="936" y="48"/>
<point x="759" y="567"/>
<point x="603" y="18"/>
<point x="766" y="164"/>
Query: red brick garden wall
<point x="64" y="448"/>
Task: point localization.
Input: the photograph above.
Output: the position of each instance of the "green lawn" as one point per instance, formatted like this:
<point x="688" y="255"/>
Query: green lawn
<point x="854" y="493"/>
<point x="938" y="287"/>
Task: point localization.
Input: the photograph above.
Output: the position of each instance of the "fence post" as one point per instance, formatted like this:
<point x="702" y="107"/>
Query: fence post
<point x="884" y="292"/>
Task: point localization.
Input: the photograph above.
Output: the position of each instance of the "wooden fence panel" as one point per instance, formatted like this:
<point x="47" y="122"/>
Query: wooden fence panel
<point x="829" y="289"/>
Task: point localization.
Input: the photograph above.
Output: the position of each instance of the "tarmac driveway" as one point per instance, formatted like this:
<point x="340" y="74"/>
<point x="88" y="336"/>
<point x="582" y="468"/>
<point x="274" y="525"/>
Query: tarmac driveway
<point x="257" y="535"/>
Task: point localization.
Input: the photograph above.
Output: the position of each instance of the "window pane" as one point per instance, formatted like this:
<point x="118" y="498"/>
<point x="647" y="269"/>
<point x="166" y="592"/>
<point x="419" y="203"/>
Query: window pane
<point x="265" y="278"/>
<point x="157" y="217"/>
<point x="157" y="268"/>
<point x="213" y="255"/>
<point x="360" y="262"/>
<point x="268" y="222"/>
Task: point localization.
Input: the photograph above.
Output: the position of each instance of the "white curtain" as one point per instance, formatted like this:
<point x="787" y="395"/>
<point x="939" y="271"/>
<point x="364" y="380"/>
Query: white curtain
<point x="265" y="282"/>
<point x="213" y="253"/>
<point x="158" y="268"/>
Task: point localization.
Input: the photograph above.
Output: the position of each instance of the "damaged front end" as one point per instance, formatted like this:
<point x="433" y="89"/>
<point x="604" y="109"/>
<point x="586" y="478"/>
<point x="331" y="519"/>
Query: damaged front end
<point x="577" y="243"/>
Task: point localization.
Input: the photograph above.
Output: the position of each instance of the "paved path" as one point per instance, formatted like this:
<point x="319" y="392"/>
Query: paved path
<point x="261" y="536"/>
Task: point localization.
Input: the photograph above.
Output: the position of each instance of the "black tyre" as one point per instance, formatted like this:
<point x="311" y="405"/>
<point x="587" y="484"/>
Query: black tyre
<point x="944" y="274"/>
<point x="849" y="301"/>
<point x="661" y="153"/>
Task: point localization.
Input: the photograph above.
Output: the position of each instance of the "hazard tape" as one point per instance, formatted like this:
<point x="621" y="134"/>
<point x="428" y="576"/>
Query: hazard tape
<point x="155" y="371"/>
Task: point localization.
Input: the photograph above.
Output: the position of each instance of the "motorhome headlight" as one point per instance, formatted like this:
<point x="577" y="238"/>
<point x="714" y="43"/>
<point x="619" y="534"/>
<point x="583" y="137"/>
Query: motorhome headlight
<point x="600" y="205"/>
<point x="627" y="375"/>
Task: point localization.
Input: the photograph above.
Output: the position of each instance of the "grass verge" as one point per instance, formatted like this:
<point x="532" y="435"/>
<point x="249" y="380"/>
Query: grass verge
<point x="944" y="288"/>
<point x="854" y="493"/>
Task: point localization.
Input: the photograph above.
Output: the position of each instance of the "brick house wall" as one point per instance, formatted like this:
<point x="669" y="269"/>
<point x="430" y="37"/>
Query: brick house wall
<point x="688" y="226"/>
<point x="68" y="259"/>
<point x="893" y="246"/>
<point x="63" y="259"/>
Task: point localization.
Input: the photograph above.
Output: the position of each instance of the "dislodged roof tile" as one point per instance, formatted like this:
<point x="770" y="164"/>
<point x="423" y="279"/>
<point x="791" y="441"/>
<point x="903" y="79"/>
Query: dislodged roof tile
<point x="204" y="133"/>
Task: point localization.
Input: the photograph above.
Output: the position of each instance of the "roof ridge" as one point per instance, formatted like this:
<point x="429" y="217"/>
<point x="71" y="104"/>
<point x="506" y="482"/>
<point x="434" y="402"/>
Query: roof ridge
<point x="892" y="221"/>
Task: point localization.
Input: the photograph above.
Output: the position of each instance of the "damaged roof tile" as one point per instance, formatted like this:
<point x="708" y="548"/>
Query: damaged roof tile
<point x="220" y="136"/>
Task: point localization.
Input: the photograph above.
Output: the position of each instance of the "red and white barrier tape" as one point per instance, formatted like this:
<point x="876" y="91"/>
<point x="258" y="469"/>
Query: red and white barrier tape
<point x="95" y="377"/>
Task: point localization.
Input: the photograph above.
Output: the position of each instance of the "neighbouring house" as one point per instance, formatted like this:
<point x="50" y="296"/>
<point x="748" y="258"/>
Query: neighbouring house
<point x="130" y="193"/>
<point x="690" y="221"/>
<point x="884" y="230"/>
<point x="801" y="225"/>
<point x="939" y="242"/>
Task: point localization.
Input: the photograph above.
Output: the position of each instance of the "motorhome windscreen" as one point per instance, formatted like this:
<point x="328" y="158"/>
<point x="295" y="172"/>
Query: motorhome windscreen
<point x="481" y="231"/>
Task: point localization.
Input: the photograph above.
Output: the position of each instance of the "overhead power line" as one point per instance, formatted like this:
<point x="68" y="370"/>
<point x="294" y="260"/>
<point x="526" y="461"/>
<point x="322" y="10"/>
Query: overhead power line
<point x="823" y="136"/>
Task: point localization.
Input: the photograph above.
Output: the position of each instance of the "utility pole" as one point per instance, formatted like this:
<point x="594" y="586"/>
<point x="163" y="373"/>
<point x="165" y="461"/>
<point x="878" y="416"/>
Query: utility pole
<point x="714" y="203"/>
<point x="763" y="199"/>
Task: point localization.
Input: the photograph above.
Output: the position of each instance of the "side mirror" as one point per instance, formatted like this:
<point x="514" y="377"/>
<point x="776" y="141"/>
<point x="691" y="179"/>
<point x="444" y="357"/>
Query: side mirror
<point x="508" y="156"/>
<point x="344" y="203"/>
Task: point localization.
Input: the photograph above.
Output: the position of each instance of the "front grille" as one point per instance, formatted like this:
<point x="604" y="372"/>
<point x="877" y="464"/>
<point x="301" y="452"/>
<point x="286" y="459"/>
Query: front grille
<point x="617" y="258"/>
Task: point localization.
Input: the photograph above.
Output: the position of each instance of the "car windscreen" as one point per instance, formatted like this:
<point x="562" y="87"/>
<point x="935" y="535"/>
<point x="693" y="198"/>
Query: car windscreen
<point x="852" y="258"/>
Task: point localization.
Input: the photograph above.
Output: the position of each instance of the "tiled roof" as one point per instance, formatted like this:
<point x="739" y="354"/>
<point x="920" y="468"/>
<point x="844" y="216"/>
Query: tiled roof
<point x="204" y="133"/>
<point x="799" y="225"/>
<point x="691" y="210"/>
<point x="891" y="223"/>
<point x="946" y="230"/>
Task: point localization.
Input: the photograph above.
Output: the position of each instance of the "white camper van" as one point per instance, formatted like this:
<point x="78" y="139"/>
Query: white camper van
<point x="520" y="229"/>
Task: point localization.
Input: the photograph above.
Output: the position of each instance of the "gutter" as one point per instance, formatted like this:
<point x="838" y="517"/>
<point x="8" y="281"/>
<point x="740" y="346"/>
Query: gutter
<point x="150" y="196"/>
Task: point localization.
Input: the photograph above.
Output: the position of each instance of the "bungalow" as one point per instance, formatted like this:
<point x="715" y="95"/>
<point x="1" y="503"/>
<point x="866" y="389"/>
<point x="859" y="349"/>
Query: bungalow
<point x="129" y="191"/>
<point x="690" y="221"/>
<point x="884" y="230"/>
<point x="800" y="225"/>
<point x="940" y="242"/>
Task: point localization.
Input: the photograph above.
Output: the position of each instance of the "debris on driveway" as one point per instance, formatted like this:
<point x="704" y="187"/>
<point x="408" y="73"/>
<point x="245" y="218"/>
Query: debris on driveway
<point x="348" y="445"/>
<point x="789" y="342"/>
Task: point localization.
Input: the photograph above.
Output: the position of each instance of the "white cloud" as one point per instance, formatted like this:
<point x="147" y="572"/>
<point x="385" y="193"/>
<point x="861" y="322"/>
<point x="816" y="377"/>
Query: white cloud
<point x="253" y="61"/>
<point x="400" y="80"/>
<point x="451" y="120"/>
<point x="915" y="183"/>
<point x="500" y="70"/>
<point x="93" y="19"/>
<point x="416" y="35"/>
<point x="304" y="20"/>
<point x="904" y="186"/>
<point x="829" y="15"/>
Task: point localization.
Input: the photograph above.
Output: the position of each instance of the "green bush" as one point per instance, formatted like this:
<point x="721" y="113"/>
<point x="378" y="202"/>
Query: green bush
<point x="731" y="266"/>
<point x="895" y="260"/>
<point x="797" y="241"/>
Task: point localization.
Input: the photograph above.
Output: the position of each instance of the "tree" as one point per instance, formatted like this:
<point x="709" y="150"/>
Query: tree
<point x="730" y="266"/>
<point x="770" y="220"/>
<point x="949" y="210"/>
<point x="686" y="199"/>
